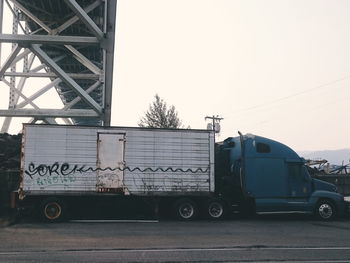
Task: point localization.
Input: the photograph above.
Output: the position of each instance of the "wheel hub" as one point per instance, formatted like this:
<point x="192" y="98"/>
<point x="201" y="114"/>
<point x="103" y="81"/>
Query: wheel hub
<point x="215" y="210"/>
<point x="325" y="211"/>
<point x="52" y="210"/>
<point x="186" y="211"/>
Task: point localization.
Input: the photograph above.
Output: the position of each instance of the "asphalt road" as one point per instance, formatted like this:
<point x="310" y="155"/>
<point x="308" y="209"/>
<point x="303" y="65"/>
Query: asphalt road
<point x="261" y="239"/>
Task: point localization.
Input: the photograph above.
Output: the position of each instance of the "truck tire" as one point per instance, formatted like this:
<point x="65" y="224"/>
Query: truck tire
<point x="52" y="210"/>
<point x="215" y="209"/>
<point x="325" y="210"/>
<point x="185" y="209"/>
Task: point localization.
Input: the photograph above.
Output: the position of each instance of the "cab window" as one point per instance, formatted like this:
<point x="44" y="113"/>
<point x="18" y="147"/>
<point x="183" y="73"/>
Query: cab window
<point x="294" y="170"/>
<point x="263" y="148"/>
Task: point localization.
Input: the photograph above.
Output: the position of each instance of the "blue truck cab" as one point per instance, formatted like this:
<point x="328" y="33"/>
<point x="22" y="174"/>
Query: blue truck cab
<point x="271" y="177"/>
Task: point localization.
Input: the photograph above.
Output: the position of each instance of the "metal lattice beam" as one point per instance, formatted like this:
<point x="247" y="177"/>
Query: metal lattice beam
<point x="75" y="49"/>
<point x="84" y="17"/>
<point x="24" y="40"/>
<point x="64" y="76"/>
<point x="42" y="113"/>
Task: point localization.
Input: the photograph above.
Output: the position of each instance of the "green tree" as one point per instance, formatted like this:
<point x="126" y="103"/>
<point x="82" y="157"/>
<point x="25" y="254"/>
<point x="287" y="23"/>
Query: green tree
<point x="160" y="116"/>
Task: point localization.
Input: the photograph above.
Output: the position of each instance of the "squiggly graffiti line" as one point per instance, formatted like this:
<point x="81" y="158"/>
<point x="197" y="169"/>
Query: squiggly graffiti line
<point x="67" y="169"/>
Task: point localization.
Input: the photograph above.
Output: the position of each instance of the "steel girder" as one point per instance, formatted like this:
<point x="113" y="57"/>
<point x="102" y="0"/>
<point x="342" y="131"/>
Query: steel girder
<point x="74" y="42"/>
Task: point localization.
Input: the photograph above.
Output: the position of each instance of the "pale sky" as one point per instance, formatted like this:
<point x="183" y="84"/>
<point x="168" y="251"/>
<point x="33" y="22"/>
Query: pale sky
<point x="275" y="68"/>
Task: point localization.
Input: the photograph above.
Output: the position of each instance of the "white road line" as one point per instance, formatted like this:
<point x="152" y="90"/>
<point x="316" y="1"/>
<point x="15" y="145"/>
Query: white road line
<point x="304" y="261"/>
<point x="173" y="250"/>
<point x="113" y="221"/>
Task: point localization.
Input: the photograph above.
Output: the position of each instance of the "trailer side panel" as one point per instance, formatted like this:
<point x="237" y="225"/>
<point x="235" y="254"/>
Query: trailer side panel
<point x="81" y="160"/>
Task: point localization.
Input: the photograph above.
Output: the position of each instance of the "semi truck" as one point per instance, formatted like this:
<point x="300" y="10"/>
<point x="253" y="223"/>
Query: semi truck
<point x="182" y="171"/>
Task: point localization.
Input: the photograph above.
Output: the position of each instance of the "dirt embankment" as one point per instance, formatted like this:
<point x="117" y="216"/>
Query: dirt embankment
<point x="10" y="149"/>
<point x="10" y="152"/>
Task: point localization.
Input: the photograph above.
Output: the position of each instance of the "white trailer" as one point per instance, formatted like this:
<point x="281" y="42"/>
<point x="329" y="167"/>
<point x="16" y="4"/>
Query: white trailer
<point x="61" y="161"/>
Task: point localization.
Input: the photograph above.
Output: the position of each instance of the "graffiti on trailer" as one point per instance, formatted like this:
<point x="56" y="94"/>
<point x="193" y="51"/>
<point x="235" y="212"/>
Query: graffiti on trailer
<point x="57" y="173"/>
<point x="66" y="169"/>
<point x="56" y="179"/>
<point x="61" y="173"/>
<point x="54" y="174"/>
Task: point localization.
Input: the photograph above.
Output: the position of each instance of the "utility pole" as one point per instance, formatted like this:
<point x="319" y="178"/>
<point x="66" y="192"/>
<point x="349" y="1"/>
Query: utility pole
<point x="215" y="123"/>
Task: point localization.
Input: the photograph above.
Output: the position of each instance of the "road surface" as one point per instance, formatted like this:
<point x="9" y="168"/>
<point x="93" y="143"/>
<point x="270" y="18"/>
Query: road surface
<point x="260" y="239"/>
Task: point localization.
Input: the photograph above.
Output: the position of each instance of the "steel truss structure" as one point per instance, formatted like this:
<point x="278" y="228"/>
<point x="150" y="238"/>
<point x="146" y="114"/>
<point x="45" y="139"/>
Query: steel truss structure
<point x="74" y="42"/>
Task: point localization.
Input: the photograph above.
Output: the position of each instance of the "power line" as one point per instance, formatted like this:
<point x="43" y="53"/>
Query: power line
<point x="289" y="96"/>
<point x="307" y="113"/>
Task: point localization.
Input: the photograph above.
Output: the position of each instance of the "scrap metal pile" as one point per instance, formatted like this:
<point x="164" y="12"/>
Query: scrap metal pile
<point x="321" y="167"/>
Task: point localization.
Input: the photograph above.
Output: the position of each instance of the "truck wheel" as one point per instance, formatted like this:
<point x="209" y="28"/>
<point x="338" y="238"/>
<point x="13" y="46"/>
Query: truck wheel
<point x="325" y="210"/>
<point x="52" y="210"/>
<point x="185" y="209"/>
<point x="215" y="209"/>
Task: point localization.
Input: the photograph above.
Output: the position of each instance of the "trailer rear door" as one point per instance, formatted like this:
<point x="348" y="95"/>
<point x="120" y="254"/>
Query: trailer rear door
<point x="110" y="162"/>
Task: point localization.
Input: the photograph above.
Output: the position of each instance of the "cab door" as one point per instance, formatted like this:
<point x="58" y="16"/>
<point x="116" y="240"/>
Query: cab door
<point x="299" y="186"/>
<point x="265" y="180"/>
